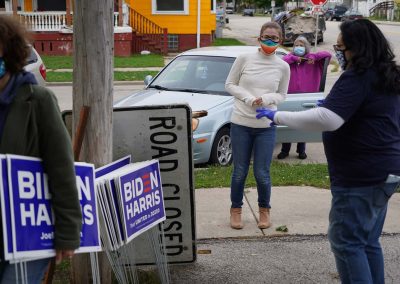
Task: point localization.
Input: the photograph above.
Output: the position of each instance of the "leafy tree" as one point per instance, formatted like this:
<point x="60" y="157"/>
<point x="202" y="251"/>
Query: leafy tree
<point x="267" y="3"/>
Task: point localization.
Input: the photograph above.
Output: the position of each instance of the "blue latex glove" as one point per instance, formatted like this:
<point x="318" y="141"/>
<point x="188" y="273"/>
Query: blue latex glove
<point x="320" y="102"/>
<point x="265" y="112"/>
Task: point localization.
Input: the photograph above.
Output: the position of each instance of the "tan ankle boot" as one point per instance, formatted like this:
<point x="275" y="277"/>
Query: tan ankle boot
<point x="265" y="220"/>
<point x="236" y="218"/>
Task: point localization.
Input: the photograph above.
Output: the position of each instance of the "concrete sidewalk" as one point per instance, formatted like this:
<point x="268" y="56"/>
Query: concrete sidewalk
<point x="303" y="210"/>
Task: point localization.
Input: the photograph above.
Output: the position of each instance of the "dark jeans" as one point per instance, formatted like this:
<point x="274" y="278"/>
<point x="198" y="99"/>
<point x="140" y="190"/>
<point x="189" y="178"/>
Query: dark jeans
<point x="355" y="224"/>
<point x="35" y="270"/>
<point x="261" y="142"/>
<point x="301" y="147"/>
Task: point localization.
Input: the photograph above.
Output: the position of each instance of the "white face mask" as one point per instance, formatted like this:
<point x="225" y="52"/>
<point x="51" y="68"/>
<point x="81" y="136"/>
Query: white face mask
<point x="299" y="50"/>
<point x="341" y="59"/>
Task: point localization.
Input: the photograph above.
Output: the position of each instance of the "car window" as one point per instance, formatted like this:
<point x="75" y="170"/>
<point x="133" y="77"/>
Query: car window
<point x="201" y="73"/>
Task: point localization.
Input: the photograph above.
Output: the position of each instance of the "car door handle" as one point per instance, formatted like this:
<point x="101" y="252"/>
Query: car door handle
<point x="309" y="105"/>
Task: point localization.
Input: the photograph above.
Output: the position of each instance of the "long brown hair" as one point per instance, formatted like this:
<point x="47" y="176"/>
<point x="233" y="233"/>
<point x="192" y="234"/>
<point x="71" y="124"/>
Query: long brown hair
<point x="13" y="41"/>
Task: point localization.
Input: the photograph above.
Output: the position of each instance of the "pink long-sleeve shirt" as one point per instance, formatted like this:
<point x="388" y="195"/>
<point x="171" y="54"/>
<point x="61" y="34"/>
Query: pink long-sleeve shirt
<point x="305" y="77"/>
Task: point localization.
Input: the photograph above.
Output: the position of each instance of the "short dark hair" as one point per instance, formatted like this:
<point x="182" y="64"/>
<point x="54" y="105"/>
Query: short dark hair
<point x="272" y="25"/>
<point x="14" y="41"/>
<point x="370" y="49"/>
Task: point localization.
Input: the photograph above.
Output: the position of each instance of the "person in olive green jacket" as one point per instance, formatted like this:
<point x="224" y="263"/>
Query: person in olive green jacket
<point x="31" y="125"/>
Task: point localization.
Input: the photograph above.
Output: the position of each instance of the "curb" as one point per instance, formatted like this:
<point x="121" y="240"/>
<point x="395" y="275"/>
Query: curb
<point x="387" y="23"/>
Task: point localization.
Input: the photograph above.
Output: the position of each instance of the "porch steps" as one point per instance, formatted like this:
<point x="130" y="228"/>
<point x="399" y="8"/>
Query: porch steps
<point x="147" y="35"/>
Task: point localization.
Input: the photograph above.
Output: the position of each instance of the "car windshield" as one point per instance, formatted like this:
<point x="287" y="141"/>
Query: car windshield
<point x="195" y="73"/>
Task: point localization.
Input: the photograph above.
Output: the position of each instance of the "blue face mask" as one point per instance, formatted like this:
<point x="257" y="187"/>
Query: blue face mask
<point x="299" y="50"/>
<point x="269" y="42"/>
<point x="2" y="68"/>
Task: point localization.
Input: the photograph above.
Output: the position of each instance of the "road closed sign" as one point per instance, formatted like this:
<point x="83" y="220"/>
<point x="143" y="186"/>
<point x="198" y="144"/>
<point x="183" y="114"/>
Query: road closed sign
<point x="163" y="133"/>
<point x="160" y="133"/>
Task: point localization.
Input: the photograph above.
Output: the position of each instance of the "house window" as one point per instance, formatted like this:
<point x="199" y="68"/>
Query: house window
<point x="213" y="5"/>
<point x="2" y="4"/>
<point x="173" y="43"/>
<point x="170" y="7"/>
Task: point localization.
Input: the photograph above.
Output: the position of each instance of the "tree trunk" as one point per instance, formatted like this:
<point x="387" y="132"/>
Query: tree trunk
<point x="93" y="87"/>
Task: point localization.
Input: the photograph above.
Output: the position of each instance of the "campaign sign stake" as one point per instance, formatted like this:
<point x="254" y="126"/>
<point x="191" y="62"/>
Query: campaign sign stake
<point x="142" y="199"/>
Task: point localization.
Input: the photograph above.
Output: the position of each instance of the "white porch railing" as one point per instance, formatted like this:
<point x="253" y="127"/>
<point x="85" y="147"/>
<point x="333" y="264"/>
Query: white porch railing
<point x="54" y="21"/>
<point x="43" y="21"/>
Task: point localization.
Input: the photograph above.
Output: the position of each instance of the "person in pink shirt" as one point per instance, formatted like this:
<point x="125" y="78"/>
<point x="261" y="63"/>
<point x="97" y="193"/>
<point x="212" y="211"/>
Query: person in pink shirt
<point x="305" y="76"/>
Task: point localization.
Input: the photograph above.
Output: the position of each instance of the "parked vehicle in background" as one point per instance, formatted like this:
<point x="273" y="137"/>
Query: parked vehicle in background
<point x="248" y="12"/>
<point x="276" y="10"/>
<point x="36" y="66"/>
<point x="328" y="14"/>
<point x="197" y="78"/>
<point x="229" y="10"/>
<point x="352" y="15"/>
<point x="338" y="13"/>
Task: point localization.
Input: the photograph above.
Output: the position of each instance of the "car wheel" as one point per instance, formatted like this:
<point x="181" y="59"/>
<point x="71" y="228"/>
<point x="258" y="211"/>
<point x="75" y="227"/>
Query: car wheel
<point x="221" y="152"/>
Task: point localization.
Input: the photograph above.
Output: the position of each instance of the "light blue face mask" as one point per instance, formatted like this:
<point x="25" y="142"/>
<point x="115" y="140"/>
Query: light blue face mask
<point x="299" y="50"/>
<point x="2" y="68"/>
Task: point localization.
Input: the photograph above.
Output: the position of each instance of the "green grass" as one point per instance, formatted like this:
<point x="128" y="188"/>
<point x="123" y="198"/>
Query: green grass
<point x="227" y="41"/>
<point x="137" y="60"/>
<point x="282" y="174"/>
<point x="150" y="60"/>
<point x="118" y="76"/>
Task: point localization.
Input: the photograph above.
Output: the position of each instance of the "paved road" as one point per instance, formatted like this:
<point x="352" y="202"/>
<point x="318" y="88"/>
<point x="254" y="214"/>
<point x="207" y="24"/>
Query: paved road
<point x="283" y="260"/>
<point x="246" y="29"/>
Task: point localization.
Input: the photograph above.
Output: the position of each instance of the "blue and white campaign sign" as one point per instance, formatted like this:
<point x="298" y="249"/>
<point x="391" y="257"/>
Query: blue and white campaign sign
<point x="101" y="171"/>
<point x="112" y="228"/>
<point x="25" y="192"/>
<point x="140" y="192"/>
<point x="5" y="210"/>
<point x="90" y="234"/>
<point x="30" y="203"/>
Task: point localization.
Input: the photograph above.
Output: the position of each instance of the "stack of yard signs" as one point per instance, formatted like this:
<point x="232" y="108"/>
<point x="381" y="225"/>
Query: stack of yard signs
<point x="26" y="209"/>
<point x="131" y="202"/>
<point x="119" y="202"/>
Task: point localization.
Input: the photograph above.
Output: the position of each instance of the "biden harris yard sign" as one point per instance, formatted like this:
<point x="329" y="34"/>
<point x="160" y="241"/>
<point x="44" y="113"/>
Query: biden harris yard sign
<point x="32" y="220"/>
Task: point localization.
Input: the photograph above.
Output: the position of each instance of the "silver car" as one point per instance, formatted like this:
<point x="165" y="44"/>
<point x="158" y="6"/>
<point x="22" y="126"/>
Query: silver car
<point x="36" y="66"/>
<point x="197" y="77"/>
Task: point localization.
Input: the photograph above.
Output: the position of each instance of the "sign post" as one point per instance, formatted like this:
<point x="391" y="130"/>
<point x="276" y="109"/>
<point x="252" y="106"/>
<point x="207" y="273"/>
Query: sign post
<point x="317" y="8"/>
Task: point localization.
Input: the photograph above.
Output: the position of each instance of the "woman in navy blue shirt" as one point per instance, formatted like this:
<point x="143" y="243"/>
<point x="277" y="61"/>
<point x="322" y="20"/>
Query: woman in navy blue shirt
<point x="360" y="120"/>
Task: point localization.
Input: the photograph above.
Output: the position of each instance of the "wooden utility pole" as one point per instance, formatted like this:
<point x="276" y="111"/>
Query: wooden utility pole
<point x="14" y="5"/>
<point x="93" y="87"/>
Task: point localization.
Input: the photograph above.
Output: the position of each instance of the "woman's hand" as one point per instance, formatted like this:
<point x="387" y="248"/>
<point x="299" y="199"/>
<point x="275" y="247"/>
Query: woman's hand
<point x="62" y="254"/>
<point x="258" y="102"/>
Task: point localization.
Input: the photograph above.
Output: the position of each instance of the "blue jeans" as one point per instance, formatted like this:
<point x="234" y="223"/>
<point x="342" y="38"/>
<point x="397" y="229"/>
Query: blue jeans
<point x="261" y="142"/>
<point x="35" y="270"/>
<point x="355" y="224"/>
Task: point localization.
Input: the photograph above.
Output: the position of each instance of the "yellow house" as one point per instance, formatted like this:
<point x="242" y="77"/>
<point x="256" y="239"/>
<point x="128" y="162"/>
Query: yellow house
<point x="160" y="26"/>
<point x="189" y="23"/>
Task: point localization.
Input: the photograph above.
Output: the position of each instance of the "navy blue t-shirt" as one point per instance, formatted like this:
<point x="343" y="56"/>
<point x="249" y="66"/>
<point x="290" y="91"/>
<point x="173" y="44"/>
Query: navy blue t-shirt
<point x="366" y="148"/>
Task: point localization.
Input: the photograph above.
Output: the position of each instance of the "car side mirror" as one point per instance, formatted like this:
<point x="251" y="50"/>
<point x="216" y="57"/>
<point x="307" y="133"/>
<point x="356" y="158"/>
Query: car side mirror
<point x="148" y="79"/>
